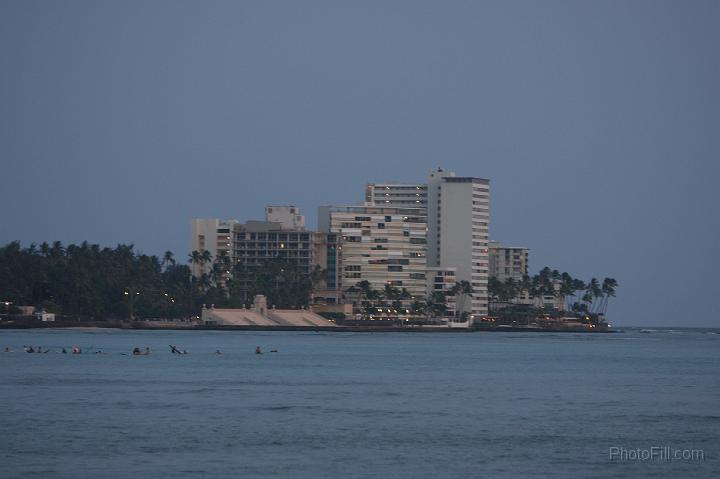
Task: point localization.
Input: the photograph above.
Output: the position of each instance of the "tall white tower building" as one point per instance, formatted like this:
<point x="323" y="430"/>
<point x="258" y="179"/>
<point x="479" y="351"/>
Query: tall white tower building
<point x="458" y="217"/>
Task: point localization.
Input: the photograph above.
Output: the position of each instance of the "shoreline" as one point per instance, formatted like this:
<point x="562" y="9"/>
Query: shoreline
<point x="142" y="326"/>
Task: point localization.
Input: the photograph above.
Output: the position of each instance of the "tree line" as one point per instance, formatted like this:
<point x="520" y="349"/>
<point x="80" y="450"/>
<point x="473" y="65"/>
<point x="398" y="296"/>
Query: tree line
<point x="92" y="282"/>
<point x="87" y="281"/>
<point x="396" y="301"/>
<point x="579" y="296"/>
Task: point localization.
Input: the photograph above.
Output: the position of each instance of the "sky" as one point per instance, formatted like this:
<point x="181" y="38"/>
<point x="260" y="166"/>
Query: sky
<point x="597" y="123"/>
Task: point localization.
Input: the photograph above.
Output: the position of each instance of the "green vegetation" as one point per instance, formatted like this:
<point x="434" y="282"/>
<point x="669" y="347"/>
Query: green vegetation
<point x="89" y="282"/>
<point x="393" y="301"/>
<point x="580" y="297"/>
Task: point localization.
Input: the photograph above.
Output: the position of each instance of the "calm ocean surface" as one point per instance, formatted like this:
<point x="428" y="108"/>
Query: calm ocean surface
<point x="358" y="404"/>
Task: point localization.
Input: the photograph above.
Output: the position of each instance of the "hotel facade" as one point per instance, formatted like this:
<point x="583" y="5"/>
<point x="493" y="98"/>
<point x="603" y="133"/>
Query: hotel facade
<point x="380" y="245"/>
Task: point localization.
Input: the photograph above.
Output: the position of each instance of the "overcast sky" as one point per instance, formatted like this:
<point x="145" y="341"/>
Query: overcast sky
<point x="597" y="122"/>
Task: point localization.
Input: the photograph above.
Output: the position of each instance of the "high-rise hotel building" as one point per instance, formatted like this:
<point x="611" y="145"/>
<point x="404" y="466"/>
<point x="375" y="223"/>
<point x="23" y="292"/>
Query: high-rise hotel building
<point x="458" y="217"/>
<point x="457" y="220"/>
<point x="381" y="245"/>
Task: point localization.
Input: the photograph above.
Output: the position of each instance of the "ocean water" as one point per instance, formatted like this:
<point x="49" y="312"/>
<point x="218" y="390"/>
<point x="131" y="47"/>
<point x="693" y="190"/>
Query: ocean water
<point x="349" y="405"/>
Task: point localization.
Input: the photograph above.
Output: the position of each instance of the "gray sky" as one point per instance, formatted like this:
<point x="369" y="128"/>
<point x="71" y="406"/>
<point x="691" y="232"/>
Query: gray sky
<point x="596" y="122"/>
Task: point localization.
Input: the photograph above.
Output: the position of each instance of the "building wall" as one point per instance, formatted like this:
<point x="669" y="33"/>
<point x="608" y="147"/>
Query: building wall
<point x="507" y="261"/>
<point x="458" y="218"/>
<point x="396" y="195"/>
<point x="433" y="214"/>
<point x="442" y="280"/>
<point x="288" y="216"/>
<point x="212" y="235"/>
<point x="255" y="243"/>
<point x="382" y="246"/>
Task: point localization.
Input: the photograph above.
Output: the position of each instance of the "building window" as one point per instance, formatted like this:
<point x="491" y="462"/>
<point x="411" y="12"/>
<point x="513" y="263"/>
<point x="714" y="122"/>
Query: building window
<point x="381" y="226"/>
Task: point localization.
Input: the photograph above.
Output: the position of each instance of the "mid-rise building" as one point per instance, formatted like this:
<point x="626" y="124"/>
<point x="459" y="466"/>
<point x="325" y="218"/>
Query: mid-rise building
<point x="458" y="217"/>
<point x="240" y="250"/>
<point x="288" y="216"/>
<point x="507" y="262"/>
<point x="381" y="245"/>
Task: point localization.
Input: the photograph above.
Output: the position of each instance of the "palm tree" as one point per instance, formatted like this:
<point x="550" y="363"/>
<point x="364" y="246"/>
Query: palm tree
<point x="194" y="257"/>
<point x="609" y="286"/>
<point x="436" y="304"/>
<point x="510" y="289"/>
<point x="464" y="291"/>
<point x="566" y="289"/>
<point x="57" y="249"/>
<point x="204" y="282"/>
<point x="44" y="249"/>
<point x="494" y="287"/>
<point x="418" y="307"/>
<point x="205" y="257"/>
<point x="364" y="287"/>
<point x="168" y="259"/>
<point x="578" y="286"/>
<point x="593" y="288"/>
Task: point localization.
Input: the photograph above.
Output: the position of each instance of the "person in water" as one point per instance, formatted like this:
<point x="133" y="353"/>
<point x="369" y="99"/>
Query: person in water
<point x="217" y="351"/>
<point x="258" y="350"/>
<point x="175" y="350"/>
<point x="64" y="351"/>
